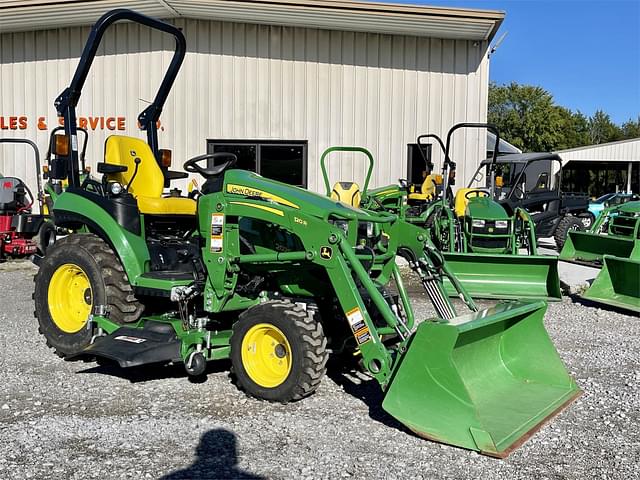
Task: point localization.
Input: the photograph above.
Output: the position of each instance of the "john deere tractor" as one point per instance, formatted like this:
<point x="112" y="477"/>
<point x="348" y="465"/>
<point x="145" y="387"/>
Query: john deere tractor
<point x="275" y="277"/>
<point x="491" y="251"/>
<point x="613" y="244"/>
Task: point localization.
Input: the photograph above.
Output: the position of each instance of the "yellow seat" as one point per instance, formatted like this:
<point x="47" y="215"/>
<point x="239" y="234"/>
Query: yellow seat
<point x="428" y="188"/>
<point x="347" y="192"/>
<point x="461" y="200"/>
<point x="167" y="206"/>
<point x="148" y="183"/>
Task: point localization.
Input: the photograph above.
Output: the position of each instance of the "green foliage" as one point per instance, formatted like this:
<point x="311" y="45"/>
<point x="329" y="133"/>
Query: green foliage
<point x="528" y="118"/>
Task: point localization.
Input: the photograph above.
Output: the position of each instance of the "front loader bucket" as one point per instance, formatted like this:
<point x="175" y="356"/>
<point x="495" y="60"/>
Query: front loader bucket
<point x="486" y="381"/>
<point x="528" y="277"/>
<point x="617" y="284"/>
<point x="589" y="248"/>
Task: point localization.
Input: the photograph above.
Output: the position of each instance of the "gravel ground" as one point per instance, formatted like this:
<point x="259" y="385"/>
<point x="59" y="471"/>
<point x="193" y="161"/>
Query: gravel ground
<point x="77" y="420"/>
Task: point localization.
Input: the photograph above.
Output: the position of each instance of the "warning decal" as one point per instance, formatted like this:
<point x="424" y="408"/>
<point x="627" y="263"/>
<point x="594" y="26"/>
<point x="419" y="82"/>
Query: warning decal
<point x="358" y="326"/>
<point x="217" y="232"/>
<point x="126" y="338"/>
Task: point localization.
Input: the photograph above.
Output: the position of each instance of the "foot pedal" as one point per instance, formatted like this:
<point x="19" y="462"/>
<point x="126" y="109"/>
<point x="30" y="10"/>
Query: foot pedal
<point x="156" y="342"/>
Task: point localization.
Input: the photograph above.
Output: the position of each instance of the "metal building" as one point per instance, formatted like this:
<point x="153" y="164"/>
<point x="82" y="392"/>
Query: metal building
<point x="275" y="81"/>
<point x="604" y="168"/>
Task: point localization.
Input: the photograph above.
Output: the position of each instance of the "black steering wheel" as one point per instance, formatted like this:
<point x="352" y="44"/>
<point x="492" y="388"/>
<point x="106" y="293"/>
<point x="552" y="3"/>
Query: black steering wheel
<point x="478" y="193"/>
<point x="192" y="166"/>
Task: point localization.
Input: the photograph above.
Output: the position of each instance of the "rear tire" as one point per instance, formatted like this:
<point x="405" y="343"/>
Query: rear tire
<point x="562" y="230"/>
<point x="278" y="352"/>
<point x="79" y="272"/>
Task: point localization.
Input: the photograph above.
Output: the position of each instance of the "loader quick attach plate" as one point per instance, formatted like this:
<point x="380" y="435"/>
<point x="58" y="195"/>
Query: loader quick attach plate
<point x="485" y="381"/>
<point x="131" y="347"/>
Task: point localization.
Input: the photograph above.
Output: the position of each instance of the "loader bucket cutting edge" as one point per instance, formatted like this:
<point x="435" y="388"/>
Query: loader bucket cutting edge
<point x="585" y="247"/>
<point x="617" y="284"/>
<point x="486" y="381"/>
<point x="505" y="276"/>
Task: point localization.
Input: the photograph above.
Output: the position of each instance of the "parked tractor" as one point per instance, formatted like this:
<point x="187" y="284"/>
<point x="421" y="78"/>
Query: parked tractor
<point x="482" y="243"/>
<point x="612" y="243"/>
<point x="533" y="182"/>
<point x="275" y="278"/>
<point x="22" y="232"/>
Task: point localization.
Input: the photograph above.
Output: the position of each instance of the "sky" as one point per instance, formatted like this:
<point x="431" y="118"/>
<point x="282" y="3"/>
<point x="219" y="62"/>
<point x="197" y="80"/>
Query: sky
<point x="586" y="53"/>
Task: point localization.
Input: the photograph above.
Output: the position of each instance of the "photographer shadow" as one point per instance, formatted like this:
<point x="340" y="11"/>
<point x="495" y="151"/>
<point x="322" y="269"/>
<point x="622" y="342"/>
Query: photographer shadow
<point x="216" y="458"/>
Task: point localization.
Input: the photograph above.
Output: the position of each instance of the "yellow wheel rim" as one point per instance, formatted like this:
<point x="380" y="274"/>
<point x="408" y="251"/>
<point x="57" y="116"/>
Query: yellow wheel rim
<point x="70" y="298"/>
<point x="266" y="355"/>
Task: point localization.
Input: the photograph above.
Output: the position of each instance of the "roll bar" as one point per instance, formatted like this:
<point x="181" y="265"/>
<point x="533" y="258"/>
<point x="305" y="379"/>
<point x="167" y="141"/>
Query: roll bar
<point x="420" y="145"/>
<point x="492" y="167"/>
<point x="363" y="150"/>
<point x="67" y="101"/>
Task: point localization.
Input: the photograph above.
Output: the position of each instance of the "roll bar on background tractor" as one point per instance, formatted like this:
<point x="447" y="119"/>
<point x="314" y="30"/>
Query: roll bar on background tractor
<point x="67" y="101"/>
<point x="492" y="168"/>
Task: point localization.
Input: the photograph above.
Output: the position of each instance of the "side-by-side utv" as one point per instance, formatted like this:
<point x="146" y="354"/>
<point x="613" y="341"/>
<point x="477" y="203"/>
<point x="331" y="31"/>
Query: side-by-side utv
<point x="275" y="278"/>
<point x="533" y="182"/>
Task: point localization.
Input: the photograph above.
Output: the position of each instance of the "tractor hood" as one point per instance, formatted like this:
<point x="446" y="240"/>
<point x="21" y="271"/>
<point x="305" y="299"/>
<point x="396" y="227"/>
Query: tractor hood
<point x="249" y="184"/>
<point x="629" y="207"/>
<point x="485" y="208"/>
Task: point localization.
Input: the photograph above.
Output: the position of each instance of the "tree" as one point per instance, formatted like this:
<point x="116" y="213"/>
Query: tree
<point x="602" y="129"/>
<point x="526" y="116"/>
<point x="631" y="128"/>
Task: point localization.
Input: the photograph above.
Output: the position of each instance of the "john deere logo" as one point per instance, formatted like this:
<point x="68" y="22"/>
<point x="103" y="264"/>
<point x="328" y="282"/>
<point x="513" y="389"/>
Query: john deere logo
<point x="326" y="253"/>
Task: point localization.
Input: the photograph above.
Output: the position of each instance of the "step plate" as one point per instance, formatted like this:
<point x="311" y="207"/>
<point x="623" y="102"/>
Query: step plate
<point x="131" y="347"/>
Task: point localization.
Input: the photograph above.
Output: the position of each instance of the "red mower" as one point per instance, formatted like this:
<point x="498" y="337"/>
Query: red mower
<point x="22" y="232"/>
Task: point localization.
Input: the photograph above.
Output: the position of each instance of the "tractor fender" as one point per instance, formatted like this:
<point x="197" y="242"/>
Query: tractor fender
<point x="74" y="211"/>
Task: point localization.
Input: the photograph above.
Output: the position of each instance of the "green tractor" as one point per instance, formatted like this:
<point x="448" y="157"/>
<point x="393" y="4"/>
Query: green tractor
<point x="613" y="243"/>
<point x="274" y="278"/>
<point x="480" y="241"/>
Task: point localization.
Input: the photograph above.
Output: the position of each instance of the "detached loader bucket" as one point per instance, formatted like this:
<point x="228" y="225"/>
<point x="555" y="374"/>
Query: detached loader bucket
<point x="617" y="284"/>
<point x="589" y="248"/>
<point x="486" y="381"/>
<point x="529" y="277"/>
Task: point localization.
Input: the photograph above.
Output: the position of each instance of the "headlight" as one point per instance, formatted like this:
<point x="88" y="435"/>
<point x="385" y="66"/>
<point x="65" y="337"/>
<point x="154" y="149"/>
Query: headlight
<point x="115" y="188"/>
<point x="341" y="224"/>
<point x="369" y="229"/>
<point x="477" y="223"/>
<point x="502" y="224"/>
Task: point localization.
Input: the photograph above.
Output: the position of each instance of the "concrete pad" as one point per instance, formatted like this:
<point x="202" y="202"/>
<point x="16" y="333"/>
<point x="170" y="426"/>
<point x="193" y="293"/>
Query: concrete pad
<point x="573" y="278"/>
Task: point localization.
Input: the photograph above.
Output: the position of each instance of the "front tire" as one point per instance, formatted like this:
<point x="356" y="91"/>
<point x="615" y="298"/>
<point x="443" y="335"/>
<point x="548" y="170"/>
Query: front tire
<point x="564" y="226"/>
<point x="45" y="237"/>
<point x="278" y="352"/>
<point x="79" y="272"/>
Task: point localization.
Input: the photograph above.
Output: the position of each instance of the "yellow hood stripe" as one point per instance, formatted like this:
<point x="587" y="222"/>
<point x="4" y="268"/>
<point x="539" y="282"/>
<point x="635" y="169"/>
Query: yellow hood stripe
<point x="254" y="192"/>
<point x="261" y="207"/>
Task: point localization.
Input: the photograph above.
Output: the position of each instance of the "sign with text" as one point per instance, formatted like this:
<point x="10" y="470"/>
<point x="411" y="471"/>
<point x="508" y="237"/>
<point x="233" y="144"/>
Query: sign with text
<point x="23" y="122"/>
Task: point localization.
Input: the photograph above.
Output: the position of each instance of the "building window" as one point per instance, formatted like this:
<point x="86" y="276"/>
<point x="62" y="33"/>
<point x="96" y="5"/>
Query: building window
<point x="281" y="160"/>
<point x="415" y="162"/>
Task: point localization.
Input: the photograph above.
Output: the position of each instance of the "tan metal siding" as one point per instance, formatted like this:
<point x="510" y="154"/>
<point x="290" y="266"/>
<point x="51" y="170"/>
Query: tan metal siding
<point x="259" y="81"/>
<point x="624" y="151"/>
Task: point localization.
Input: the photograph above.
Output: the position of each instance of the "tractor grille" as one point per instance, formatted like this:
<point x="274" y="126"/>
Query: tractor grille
<point x="493" y="243"/>
<point x="623" y="224"/>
